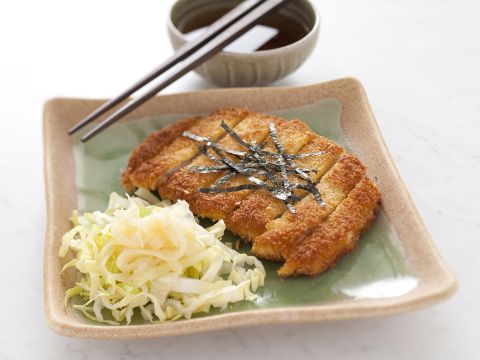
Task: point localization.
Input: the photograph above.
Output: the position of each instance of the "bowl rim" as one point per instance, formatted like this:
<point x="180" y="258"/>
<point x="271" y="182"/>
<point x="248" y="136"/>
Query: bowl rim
<point x="312" y="33"/>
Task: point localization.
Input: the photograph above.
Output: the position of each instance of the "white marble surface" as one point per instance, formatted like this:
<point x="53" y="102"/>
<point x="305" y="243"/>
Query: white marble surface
<point x="420" y="64"/>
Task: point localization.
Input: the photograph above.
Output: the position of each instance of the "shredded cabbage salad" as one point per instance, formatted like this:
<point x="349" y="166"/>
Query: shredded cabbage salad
<point x="154" y="258"/>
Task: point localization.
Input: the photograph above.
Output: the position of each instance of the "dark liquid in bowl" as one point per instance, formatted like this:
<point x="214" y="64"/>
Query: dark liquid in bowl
<point x="289" y="30"/>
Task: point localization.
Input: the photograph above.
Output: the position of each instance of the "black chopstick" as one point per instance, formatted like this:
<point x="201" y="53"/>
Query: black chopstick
<point x="182" y="53"/>
<point x="204" y="53"/>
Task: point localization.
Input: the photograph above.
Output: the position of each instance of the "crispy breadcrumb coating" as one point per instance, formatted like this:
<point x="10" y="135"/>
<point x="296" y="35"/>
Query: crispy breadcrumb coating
<point x="261" y="207"/>
<point x="337" y="235"/>
<point x="152" y="146"/>
<point x="285" y="232"/>
<point x="185" y="183"/>
<point x="293" y="134"/>
<point x="311" y="239"/>
<point x="155" y="171"/>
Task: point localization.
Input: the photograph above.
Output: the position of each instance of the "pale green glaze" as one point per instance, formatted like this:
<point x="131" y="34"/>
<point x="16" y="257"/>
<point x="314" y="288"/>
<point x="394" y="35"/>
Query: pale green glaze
<point x="377" y="269"/>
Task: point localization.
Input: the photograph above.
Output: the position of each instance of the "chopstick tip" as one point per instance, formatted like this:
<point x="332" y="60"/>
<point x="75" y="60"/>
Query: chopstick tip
<point x="79" y="125"/>
<point x="87" y="136"/>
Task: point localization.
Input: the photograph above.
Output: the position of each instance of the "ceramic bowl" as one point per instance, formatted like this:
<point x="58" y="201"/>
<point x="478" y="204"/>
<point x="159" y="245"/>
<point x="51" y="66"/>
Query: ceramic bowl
<point x="235" y="69"/>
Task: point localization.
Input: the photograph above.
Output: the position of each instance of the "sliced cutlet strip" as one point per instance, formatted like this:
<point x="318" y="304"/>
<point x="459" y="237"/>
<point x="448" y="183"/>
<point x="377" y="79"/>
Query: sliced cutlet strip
<point x="154" y="172"/>
<point x="152" y="145"/>
<point x="293" y="135"/>
<point x="260" y="207"/>
<point x="184" y="184"/>
<point x="283" y="233"/>
<point x="337" y="235"/>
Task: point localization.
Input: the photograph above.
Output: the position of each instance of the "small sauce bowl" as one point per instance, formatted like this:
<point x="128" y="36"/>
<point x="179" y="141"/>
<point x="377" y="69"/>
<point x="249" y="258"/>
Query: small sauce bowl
<point x="256" y="68"/>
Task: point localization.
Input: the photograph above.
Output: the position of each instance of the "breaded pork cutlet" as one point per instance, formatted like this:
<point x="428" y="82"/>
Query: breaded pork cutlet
<point x="261" y="207"/>
<point x="311" y="236"/>
<point x="285" y="232"/>
<point x="153" y="145"/>
<point x="337" y="235"/>
<point x="293" y="135"/>
<point x="185" y="183"/>
<point x="155" y="171"/>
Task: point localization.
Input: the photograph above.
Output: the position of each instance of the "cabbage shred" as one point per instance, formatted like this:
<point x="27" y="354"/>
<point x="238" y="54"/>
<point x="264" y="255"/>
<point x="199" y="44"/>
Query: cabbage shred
<point x="154" y="258"/>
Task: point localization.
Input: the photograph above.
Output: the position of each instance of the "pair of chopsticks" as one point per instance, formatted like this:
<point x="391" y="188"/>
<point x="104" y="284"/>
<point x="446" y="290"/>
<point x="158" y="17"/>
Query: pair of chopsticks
<point x="220" y="34"/>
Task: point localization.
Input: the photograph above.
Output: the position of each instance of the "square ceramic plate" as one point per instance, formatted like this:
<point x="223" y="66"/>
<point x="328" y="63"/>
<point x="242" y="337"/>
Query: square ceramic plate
<point x="395" y="269"/>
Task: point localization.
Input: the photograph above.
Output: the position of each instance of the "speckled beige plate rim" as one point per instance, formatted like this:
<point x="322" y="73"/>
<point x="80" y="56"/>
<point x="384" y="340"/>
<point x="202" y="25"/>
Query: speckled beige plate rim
<point x="436" y="282"/>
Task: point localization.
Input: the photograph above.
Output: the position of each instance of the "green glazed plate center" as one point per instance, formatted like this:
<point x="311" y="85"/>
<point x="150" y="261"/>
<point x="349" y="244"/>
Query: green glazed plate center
<point x="376" y="269"/>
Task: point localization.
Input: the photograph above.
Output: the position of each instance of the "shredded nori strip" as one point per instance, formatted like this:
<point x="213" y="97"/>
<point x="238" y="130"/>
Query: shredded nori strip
<point x="271" y="171"/>
<point x="230" y="189"/>
<point x="223" y="180"/>
<point x="282" y="163"/>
